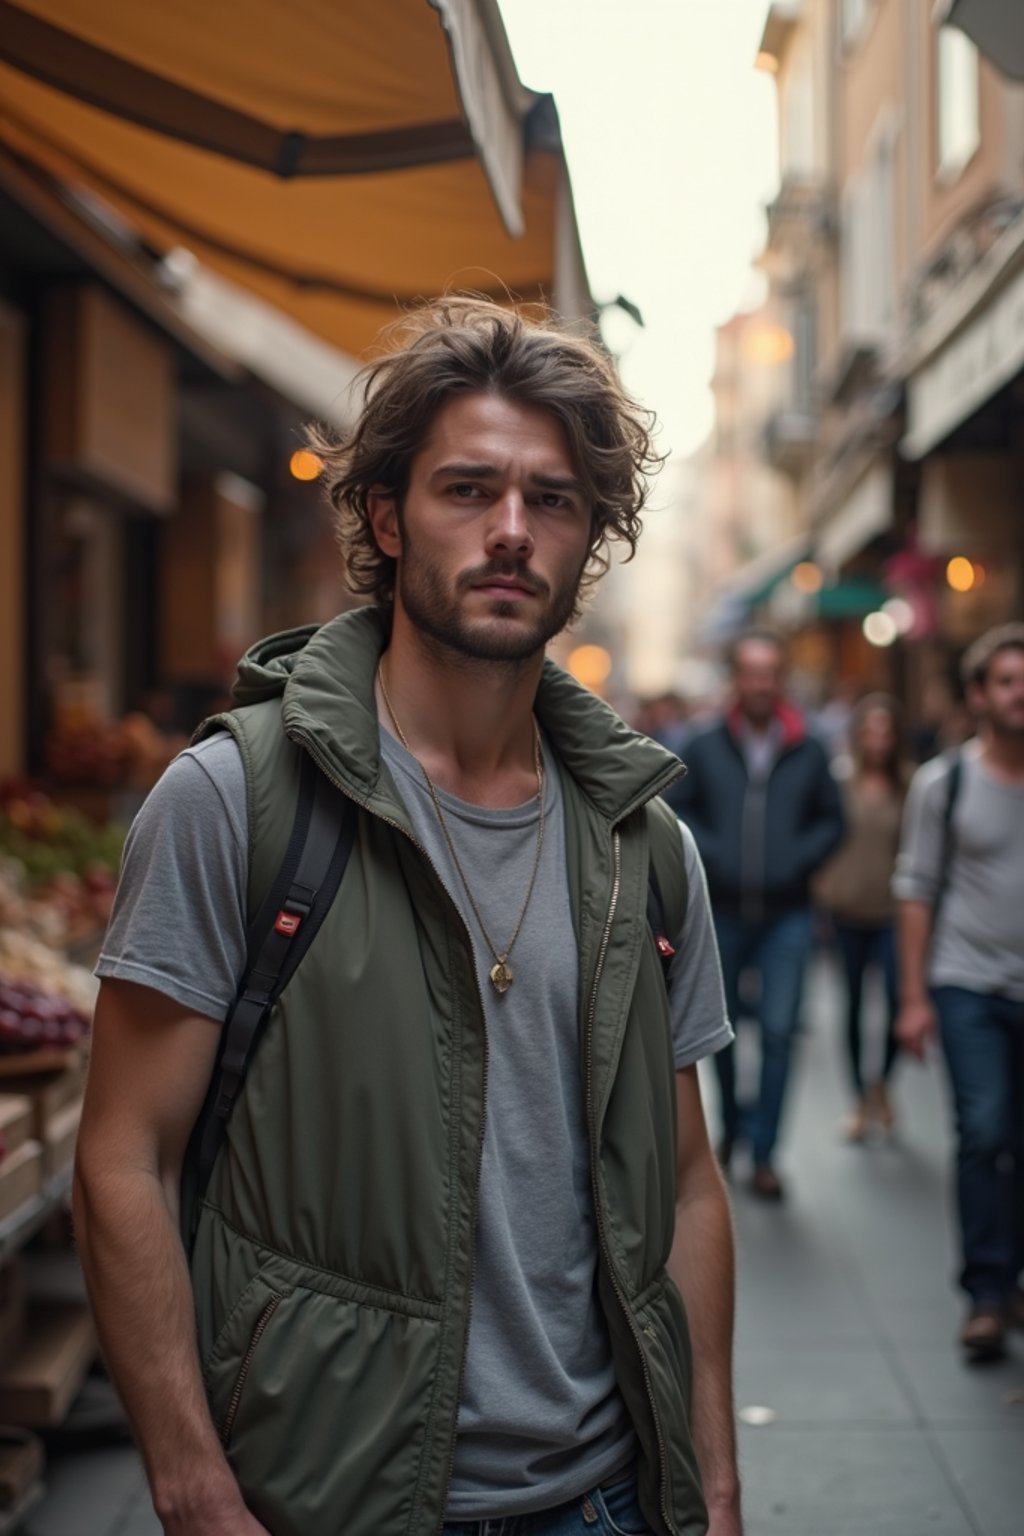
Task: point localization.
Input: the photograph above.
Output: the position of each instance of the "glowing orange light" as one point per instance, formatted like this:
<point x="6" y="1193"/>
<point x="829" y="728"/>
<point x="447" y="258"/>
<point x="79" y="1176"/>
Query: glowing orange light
<point x="807" y="577"/>
<point x="305" y="465"/>
<point x="960" y="574"/>
<point x="590" y="665"/>
<point x="768" y="346"/>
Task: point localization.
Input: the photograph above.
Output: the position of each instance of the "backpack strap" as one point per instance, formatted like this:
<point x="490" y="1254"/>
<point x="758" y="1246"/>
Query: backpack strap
<point x="954" y="782"/>
<point x="283" y="929"/>
<point x="667" y="882"/>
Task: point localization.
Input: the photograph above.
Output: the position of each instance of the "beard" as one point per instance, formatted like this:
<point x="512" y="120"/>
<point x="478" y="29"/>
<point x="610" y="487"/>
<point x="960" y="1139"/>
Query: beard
<point x="433" y="607"/>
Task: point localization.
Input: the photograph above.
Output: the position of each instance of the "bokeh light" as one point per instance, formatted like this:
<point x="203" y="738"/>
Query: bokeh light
<point x="305" y="465"/>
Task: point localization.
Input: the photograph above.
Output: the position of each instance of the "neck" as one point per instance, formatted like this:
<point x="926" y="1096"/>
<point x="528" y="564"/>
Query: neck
<point x="470" y="723"/>
<point x="1003" y="752"/>
<point x="760" y="726"/>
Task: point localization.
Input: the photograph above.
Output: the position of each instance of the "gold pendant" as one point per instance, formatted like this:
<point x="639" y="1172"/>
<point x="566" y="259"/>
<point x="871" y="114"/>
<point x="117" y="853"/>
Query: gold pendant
<point x="501" y="976"/>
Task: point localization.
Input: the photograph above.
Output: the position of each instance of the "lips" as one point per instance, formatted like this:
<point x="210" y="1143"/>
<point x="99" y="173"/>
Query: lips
<point x="504" y="586"/>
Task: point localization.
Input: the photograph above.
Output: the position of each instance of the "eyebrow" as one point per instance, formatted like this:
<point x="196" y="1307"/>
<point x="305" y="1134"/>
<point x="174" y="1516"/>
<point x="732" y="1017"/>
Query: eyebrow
<point x="491" y="472"/>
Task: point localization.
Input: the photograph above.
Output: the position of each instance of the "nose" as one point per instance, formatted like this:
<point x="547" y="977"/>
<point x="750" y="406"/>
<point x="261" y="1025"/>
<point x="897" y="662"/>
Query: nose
<point x="508" y="529"/>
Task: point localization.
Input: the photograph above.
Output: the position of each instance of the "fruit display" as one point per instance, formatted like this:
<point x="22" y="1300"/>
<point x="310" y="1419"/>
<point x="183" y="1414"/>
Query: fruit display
<point x="110" y="753"/>
<point x="58" y="869"/>
<point x="45" y="1002"/>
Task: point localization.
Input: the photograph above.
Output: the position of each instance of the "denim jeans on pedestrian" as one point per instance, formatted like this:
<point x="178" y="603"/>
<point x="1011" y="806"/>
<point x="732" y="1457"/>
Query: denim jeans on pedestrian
<point x="859" y="949"/>
<point x="983" y="1043"/>
<point x="778" y="949"/>
<point x="609" y="1510"/>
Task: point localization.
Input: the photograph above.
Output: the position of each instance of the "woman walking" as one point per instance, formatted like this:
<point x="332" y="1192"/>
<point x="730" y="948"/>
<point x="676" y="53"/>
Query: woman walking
<point x="854" y="888"/>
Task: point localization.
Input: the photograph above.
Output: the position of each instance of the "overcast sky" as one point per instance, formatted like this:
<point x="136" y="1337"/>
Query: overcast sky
<point x="671" y="139"/>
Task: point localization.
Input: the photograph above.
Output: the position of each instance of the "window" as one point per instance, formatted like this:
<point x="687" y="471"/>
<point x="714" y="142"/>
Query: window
<point x="883" y="230"/>
<point x="804" y="326"/>
<point x="868" y="254"/>
<point x="959" y="123"/>
<point x="853" y="15"/>
<point x="798" y="118"/>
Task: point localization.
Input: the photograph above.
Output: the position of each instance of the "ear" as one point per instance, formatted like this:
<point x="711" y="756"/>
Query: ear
<point x="383" y="513"/>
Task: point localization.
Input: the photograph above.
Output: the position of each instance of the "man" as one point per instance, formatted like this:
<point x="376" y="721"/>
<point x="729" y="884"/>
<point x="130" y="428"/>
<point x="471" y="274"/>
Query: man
<point x="960" y="886"/>
<point x="440" y="1269"/>
<point x="765" y="812"/>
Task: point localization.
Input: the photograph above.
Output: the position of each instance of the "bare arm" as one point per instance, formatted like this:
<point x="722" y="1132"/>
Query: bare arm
<point x="916" y="1022"/>
<point x="702" y="1264"/>
<point x="151" y="1063"/>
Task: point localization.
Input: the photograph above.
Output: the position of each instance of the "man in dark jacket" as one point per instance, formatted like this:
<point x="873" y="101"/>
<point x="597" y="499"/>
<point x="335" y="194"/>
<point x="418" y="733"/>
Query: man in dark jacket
<point x="765" y="812"/>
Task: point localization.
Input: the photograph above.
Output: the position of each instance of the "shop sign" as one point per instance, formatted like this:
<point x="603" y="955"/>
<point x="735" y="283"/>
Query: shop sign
<point x="969" y="370"/>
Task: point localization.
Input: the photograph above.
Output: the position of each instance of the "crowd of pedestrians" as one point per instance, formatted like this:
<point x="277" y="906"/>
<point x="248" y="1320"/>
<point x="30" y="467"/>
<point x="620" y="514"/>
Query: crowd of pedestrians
<point x="916" y="881"/>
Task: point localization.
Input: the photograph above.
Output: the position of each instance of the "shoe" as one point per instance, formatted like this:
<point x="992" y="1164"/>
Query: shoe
<point x="855" y="1126"/>
<point x="766" y="1184"/>
<point x="880" y="1107"/>
<point x="983" y="1335"/>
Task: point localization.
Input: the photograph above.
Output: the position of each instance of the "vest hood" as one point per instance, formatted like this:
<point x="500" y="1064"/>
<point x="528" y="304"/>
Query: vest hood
<point x="325" y="677"/>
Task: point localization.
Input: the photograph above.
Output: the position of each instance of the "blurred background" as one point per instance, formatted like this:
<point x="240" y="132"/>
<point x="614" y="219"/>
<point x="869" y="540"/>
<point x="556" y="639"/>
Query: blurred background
<point x="800" y="228"/>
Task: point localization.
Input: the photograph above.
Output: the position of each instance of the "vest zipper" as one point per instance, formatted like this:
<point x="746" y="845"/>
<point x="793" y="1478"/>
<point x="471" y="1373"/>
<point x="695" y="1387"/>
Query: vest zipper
<point x="598" y="1214"/>
<point x="389" y="821"/>
<point x="236" y="1396"/>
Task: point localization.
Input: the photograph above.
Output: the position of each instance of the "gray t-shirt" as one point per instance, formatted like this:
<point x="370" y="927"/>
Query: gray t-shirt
<point x="979" y="932"/>
<point x="541" y="1417"/>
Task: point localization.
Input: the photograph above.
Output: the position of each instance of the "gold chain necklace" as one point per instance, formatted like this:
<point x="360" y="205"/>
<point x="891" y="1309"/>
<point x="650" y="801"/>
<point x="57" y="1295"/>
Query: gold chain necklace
<point x="500" y="972"/>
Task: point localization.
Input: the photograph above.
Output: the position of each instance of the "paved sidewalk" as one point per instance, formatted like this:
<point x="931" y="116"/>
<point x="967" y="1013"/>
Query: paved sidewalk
<point x="847" y="1318"/>
<point x="846" y="1321"/>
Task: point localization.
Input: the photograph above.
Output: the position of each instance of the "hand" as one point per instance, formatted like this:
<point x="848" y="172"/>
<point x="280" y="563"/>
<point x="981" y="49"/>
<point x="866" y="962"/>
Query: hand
<point x="243" y="1524"/>
<point x="725" y="1519"/>
<point x="916" y="1024"/>
<point x="229" y="1519"/>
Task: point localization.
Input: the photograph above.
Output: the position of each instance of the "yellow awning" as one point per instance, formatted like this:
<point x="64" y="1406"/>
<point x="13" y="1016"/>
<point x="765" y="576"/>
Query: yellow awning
<point x="337" y="157"/>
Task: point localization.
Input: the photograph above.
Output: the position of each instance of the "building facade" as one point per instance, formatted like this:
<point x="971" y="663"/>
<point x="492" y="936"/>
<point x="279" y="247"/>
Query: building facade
<point x="895" y="260"/>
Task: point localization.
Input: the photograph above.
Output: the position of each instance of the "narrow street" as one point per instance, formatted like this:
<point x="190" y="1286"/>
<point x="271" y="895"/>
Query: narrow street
<point x="846" y="1328"/>
<point x="847" y="1320"/>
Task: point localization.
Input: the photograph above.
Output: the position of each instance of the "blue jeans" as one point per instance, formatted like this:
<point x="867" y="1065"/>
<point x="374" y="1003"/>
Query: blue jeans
<point x="983" y="1042"/>
<point x="778" y="948"/>
<point x="610" y="1510"/>
<point x="859" y="949"/>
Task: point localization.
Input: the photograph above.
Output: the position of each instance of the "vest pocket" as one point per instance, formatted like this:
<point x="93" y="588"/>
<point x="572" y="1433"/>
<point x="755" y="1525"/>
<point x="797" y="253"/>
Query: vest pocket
<point x="230" y="1360"/>
<point x="273" y="1302"/>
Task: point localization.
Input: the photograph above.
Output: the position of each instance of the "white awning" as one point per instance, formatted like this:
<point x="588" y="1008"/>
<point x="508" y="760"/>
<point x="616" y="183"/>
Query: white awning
<point x="866" y="512"/>
<point x="979" y="359"/>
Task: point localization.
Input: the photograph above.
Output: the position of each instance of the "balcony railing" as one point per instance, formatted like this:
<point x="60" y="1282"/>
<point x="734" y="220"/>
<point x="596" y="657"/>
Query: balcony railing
<point x="804" y="210"/>
<point x="789" y="438"/>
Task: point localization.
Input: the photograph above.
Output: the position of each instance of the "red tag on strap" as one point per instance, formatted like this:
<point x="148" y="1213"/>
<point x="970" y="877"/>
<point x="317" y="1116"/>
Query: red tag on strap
<point x="665" y="949"/>
<point x="287" y="923"/>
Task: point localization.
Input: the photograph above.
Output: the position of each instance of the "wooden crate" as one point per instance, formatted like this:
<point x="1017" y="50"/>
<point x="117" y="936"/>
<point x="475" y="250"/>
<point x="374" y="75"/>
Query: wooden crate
<point x="12" y="1307"/>
<point x="21" y="1177"/>
<point x="59" y="1139"/>
<point x="16" y="1121"/>
<point x="21" y="1467"/>
<point x="49" y="1091"/>
<point x="40" y="1381"/>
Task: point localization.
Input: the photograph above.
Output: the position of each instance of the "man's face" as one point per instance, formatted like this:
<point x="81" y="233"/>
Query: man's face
<point x="493" y="533"/>
<point x="1000" y="698"/>
<point x="757" y="680"/>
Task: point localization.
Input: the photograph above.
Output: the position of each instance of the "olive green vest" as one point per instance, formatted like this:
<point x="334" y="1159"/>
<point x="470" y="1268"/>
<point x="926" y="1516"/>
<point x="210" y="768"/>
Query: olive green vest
<point x="333" y="1262"/>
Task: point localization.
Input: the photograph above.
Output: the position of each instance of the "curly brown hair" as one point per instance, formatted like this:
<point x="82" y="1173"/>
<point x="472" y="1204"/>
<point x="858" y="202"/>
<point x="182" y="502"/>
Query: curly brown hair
<point x="463" y="345"/>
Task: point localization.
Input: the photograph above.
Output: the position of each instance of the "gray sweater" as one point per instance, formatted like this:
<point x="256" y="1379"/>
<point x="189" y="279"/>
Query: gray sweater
<point x="979" y="933"/>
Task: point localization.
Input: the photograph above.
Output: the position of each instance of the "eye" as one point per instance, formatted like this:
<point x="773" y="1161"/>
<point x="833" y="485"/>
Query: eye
<point x="464" y="490"/>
